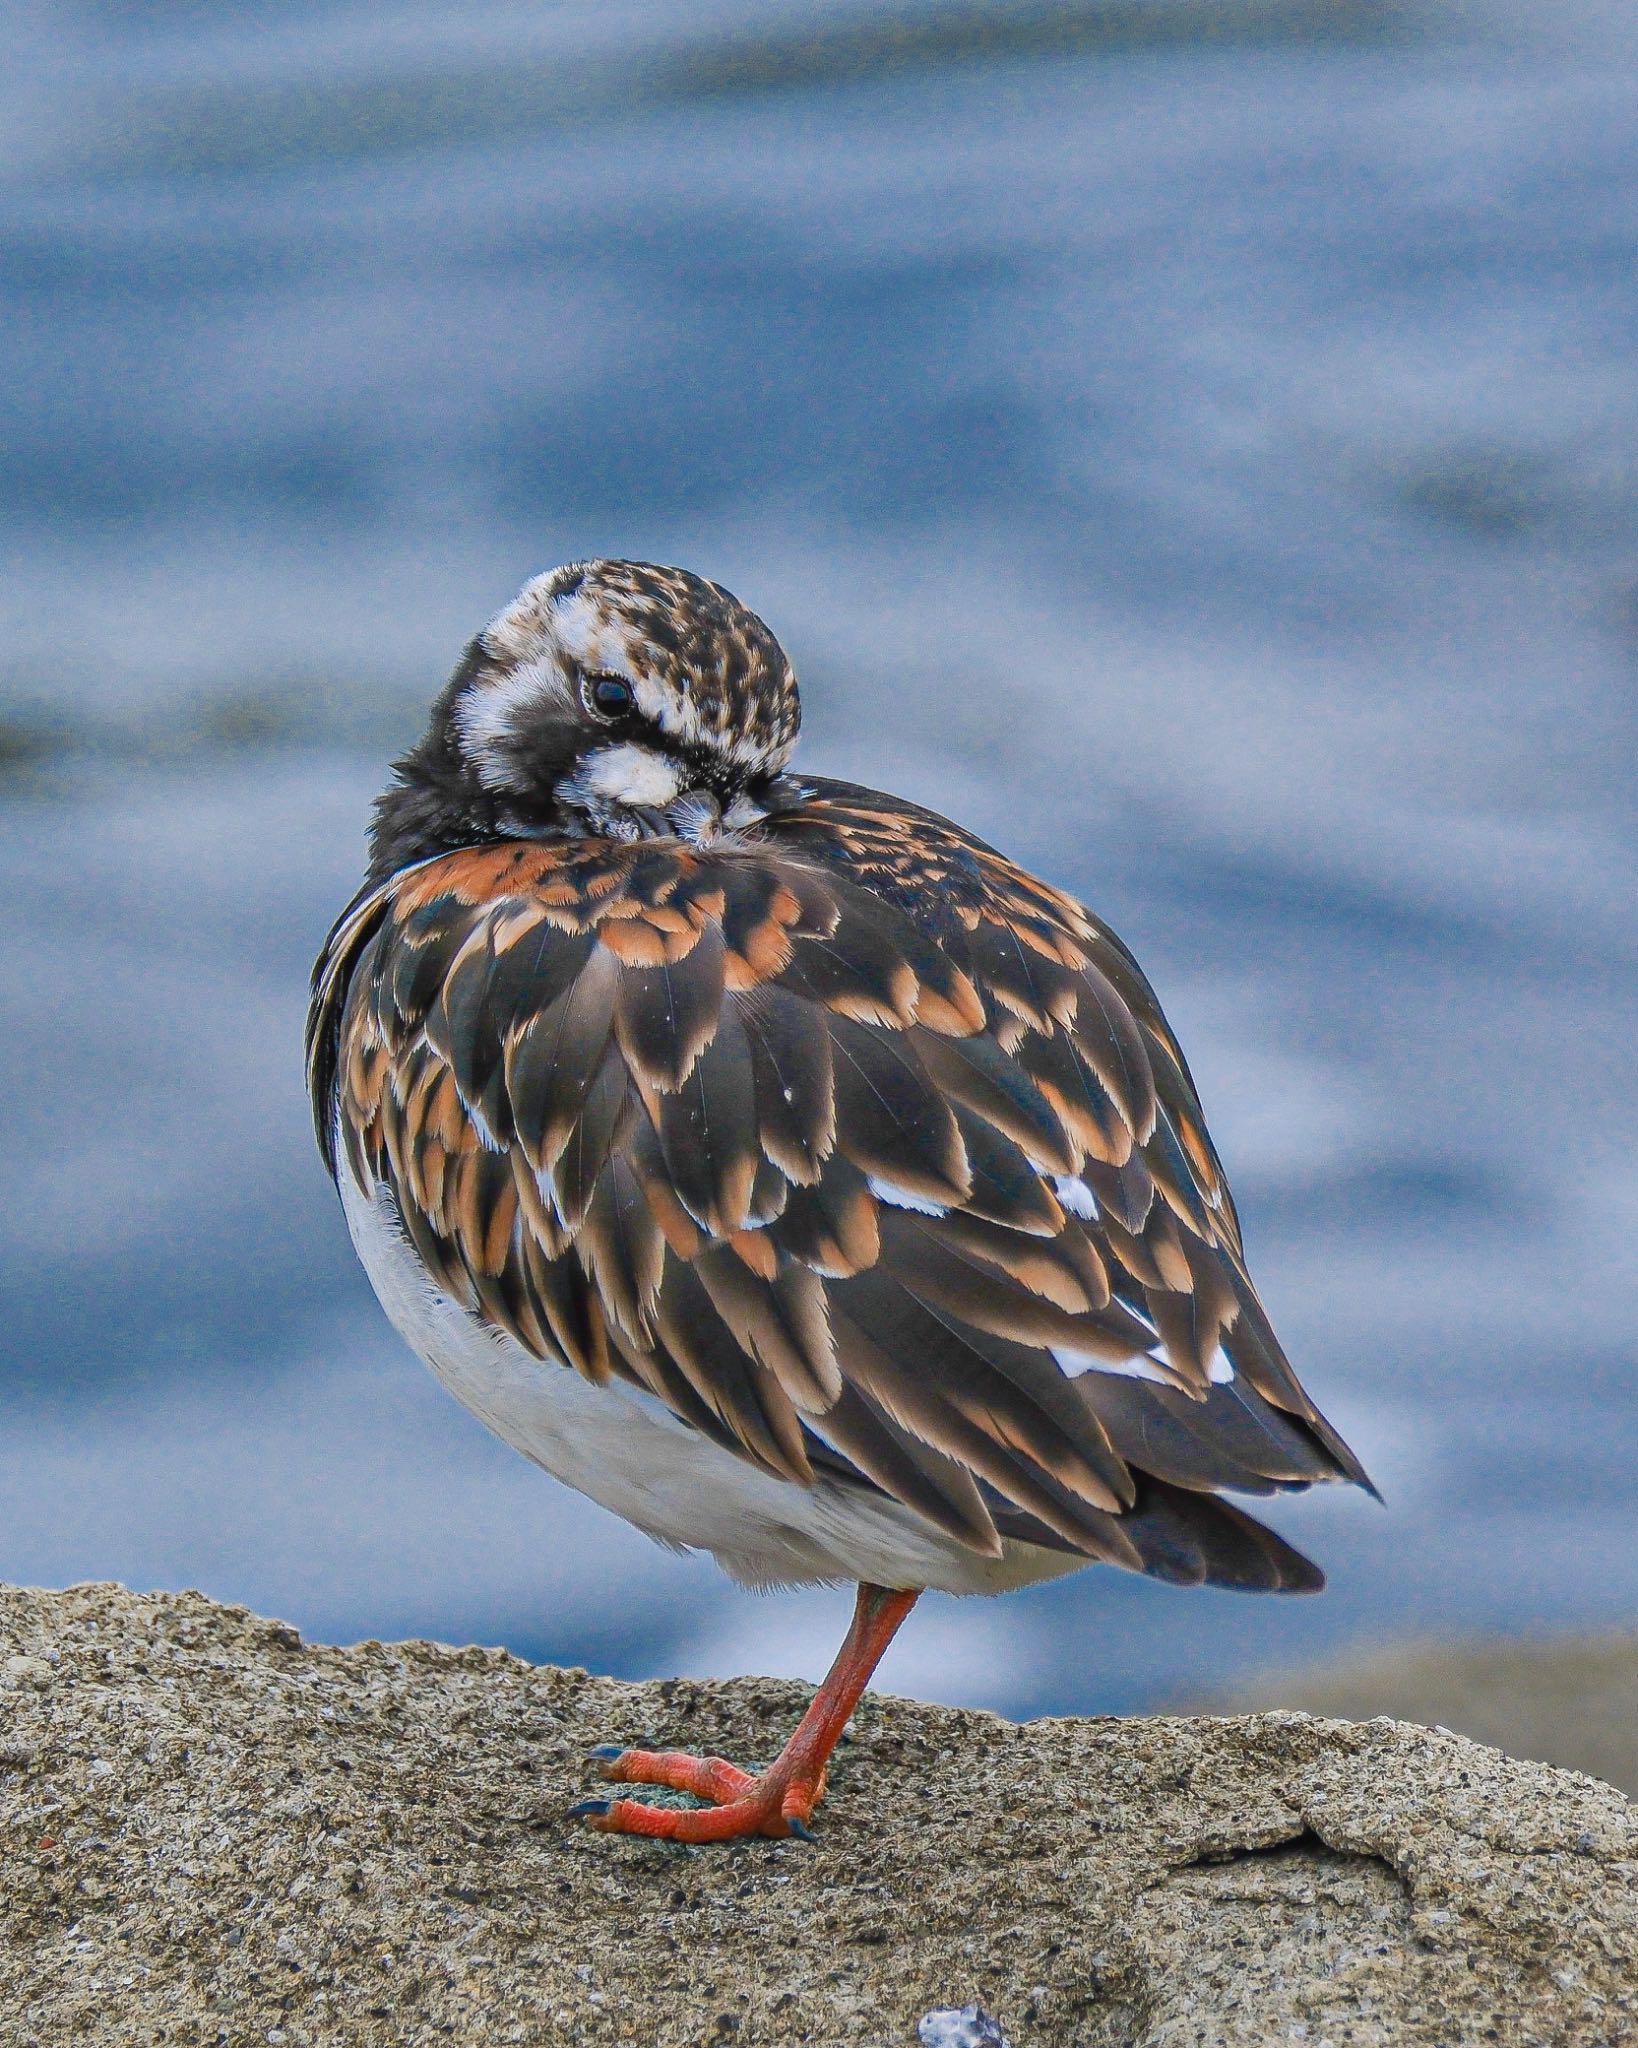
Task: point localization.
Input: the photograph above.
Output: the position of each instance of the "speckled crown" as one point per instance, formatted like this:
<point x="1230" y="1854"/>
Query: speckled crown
<point x="740" y="686"/>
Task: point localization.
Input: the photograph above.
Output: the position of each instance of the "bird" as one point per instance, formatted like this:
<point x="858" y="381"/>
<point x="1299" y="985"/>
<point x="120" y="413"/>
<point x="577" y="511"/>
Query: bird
<point x="778" y="1164"/>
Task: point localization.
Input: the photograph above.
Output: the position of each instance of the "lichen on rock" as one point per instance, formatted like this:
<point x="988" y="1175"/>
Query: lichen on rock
<point x="215" y="1833"/>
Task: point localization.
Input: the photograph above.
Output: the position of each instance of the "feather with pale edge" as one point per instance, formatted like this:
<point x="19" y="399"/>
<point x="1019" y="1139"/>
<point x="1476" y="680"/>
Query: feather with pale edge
<point x="867" y="1153"/>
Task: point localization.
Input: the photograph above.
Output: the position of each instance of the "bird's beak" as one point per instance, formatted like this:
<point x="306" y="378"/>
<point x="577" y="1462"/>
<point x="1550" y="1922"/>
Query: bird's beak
<point x="696" y="816"/>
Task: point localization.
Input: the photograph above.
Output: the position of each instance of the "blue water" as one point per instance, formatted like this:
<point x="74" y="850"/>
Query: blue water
<point x="1207" y="464"/>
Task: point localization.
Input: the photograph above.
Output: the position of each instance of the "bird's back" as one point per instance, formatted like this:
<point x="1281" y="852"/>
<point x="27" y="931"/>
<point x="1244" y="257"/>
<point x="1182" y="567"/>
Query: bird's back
<point x="864" y="1153"/>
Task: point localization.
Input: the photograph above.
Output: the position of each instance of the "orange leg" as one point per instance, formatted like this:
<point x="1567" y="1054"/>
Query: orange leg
<point x="781" y="1801"/>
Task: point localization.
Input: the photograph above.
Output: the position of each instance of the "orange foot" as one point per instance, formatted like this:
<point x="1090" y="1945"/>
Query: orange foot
<point x="781" y="1801"/>
<point x="777" y="1803"/>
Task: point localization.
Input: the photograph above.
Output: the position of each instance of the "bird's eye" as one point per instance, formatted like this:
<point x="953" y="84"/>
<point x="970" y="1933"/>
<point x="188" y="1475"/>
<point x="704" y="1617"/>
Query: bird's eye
<point x="608" y="696"/>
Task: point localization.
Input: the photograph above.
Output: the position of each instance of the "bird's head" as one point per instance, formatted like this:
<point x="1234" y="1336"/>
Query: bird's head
<point x="610" y="698"/>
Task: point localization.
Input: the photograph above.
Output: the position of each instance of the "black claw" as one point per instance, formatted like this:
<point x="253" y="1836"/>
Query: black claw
<point x="800" y="1829"/>
<point x="582" y="1808"/>
<point x="605" y="1752"/>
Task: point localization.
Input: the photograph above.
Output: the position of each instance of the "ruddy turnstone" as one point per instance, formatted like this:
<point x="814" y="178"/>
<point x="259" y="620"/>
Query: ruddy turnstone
<point x="778" y="1164"/>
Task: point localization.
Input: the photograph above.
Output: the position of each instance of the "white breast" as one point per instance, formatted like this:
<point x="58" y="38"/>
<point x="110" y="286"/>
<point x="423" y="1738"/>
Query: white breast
<point x="627" y="1451"/>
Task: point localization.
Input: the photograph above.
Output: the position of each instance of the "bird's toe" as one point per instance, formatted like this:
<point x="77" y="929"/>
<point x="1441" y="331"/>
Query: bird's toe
<point x="706" y="1777"/>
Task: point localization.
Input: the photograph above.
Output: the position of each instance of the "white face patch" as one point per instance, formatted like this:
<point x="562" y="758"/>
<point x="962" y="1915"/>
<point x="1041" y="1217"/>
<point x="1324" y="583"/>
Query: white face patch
<point x="492" y="712"/>
<point x="628" y="774"/>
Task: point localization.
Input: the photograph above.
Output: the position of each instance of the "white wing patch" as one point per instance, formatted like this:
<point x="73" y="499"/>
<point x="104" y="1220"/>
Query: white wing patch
<point x="1141" y="1366"/>
<point x="1076" y="1197"/>
<point x="903" y="1198"/>
<point x="1220" y="1371"/>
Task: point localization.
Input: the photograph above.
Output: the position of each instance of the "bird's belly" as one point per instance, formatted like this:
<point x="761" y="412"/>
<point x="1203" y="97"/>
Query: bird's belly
<point x="627" y="1451"/>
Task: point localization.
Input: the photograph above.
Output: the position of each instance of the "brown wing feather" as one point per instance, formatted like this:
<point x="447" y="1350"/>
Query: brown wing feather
<point x="857" y="1146"/>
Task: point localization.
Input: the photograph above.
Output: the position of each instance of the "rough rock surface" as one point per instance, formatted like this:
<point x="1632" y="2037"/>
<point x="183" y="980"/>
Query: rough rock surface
<point x="1569" y="1700"/>
<point x="214" y="1833"/>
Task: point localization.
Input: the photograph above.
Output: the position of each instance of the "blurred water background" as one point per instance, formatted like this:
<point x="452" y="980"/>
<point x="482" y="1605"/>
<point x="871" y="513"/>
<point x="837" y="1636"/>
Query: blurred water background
<point x="1193" y="441"/>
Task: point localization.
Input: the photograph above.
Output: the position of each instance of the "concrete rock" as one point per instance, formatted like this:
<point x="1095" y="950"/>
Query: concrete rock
<point x="1568" y="1700"/>
<point x="214" y="1833"/>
